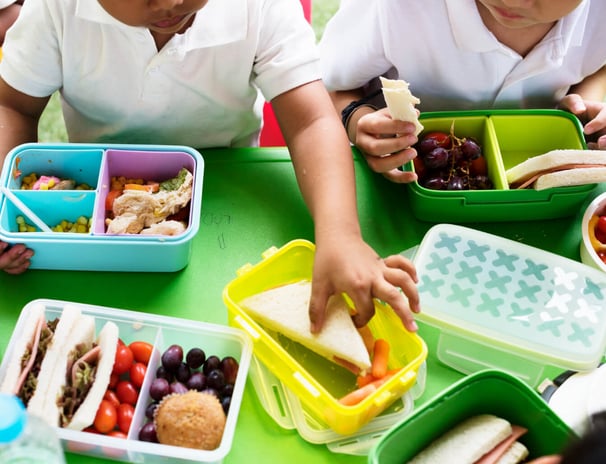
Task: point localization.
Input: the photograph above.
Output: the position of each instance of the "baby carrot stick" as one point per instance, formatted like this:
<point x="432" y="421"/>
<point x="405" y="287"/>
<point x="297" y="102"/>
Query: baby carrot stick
<point x="358" y="395"/>
<point x="367" y="337"/>
<point x="380" y="358"/>
<point x="362" y="380"/>
<point x="364" y="391"/>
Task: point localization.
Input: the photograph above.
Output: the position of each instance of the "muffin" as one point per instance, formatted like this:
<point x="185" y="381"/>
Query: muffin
<point x="192" y="420"/>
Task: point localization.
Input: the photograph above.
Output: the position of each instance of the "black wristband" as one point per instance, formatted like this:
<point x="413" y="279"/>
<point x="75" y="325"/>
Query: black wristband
<point x="354" y="105"/>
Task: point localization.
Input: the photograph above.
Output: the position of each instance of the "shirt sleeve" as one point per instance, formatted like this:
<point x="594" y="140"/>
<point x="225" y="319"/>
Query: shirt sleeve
<point x="351" y="48"/>
<point x="30" y="46"/>
<point x="287" y="56"/>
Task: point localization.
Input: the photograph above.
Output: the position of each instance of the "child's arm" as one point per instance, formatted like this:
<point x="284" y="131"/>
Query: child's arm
<point x="384" y="142"/>
<point x="19" y="115"/>
<point x="586" y="100"/>
<point x="323" y="164"/>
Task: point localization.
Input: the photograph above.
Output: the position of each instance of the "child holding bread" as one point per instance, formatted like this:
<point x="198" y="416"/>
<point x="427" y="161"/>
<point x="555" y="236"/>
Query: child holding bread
<point x="191" y="72"/>
<point x="459" y="55"/>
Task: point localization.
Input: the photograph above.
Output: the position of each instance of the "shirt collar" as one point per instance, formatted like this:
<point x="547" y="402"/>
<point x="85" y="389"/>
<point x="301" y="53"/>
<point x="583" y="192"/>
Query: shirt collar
<point x="218" y="23"/>
<point x="470" y="33"/>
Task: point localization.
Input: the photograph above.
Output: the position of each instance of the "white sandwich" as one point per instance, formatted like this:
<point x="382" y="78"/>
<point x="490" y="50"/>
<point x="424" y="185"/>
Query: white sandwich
<point x="559" y="168"/>
<point x="481" y="439"/>
<point x="29" y="364"/>
<point x="88" y="375"/>
<point x="58" y="368"/>
<point x="401" y="102"/>
<point x="285" y="309"/>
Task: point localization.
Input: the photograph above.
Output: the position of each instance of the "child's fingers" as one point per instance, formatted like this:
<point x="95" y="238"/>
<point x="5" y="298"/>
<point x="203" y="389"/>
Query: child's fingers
<point x="16" y="259"/>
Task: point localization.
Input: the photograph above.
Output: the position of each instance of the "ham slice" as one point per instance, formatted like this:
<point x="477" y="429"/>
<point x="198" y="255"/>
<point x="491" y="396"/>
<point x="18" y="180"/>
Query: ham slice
<point x="493" y="457"/>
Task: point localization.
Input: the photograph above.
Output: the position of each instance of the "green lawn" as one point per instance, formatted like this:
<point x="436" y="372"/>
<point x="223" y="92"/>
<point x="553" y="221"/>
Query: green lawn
<point x="52" y="127"/>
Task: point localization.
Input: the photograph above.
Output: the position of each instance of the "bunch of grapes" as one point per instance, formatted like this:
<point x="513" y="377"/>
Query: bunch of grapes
<point x="194" y="371"/>
<point x="447" y="162"/>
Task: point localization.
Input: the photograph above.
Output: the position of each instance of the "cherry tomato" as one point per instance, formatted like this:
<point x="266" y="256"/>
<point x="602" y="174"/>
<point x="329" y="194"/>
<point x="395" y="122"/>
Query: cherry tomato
<point x="111" y="396"/>
<point x="127" y="392"/>
<point x="142" y="351"/>
<point x="116" y="434"/>
<point x="113" y="380"/>
<point x="478" y="166"/>
<point x="137" y="374"/>
<point x="125" y="416"/>
<point x="442" y="138"/>
<point x="124" y="359"/>
<point x="106" y="418"/>
<point x="602" y="224"/>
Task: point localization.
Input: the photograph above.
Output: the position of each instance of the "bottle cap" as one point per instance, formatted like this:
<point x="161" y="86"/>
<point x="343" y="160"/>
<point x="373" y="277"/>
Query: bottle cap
<point x="12" y="419"/>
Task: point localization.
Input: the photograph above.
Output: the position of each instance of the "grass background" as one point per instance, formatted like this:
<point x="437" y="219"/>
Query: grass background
<point x="52" y="127"/>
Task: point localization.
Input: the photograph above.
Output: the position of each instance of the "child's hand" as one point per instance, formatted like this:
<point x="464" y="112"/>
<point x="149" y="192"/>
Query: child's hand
<point x="353" y="267"/>
<point x="14" y="259"/>
<point x="385" y="143"/>
<point x="592" y="114"/>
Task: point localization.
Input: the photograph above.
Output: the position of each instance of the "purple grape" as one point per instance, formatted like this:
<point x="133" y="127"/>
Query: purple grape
<point x="226" y="403"/>
<point x="172" y="358"/>
<point x="212" y="391"/>
<point x="150" y="409"/>
<point x="456" y="183"/>
<point x="195" y="358"/>
<point x="148" y="433"/>
<point x="162" y="373"/>
<point x="216" y="379"/>
<point x="178" y="387"/>
<point x="437" y="158"/>
<point x="230" y="366"/>
<point x="435" y="183"/>
<point x="228" y="390"/>
<point x="212" y="362"/>
<point x="197" y="381"/>
<point x="182" y="373"/>
<point x="159" y="388"/>
<point x="426" y="145"/>
<point x="470" y="149"/>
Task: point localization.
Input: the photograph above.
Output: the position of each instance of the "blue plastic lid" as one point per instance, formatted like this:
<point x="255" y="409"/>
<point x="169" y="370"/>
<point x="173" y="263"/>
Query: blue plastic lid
<point x="12" y="419"/>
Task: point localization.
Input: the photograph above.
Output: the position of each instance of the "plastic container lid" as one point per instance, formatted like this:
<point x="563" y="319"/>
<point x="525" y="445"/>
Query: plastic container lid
<point x="524" y="300"/>
<point x="13" y="418"/>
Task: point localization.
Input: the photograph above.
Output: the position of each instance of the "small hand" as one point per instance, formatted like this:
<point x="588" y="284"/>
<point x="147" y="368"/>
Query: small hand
<point x="385" y="143"/>
<point x="14" y="259"/>
<point x="353" y="268"/>
<point x="592" y="114"/>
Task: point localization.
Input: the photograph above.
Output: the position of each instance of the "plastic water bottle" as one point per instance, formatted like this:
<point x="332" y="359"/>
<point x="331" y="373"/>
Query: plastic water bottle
<point x="25" y="438"/>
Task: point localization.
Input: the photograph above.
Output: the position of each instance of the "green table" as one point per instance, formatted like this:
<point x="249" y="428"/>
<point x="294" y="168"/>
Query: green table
<point x="251" y="202"/>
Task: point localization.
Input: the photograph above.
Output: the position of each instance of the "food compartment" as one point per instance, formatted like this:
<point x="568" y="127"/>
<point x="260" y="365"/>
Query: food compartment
<point x="80" y="165"/>
<point x="139" y="167"/>
<point x="523" y="136"/>
<point x="64" y="211"/>
<point x="507" y="138"/>
<point x="317" y="382"/>
<point x="287" y="410"/>
<point x="487" y="392"/>
<point x="502" y="304"/>
<point x="160" y="332"/>
<point x="225" y="362"/>
<point x="462" y="127"/>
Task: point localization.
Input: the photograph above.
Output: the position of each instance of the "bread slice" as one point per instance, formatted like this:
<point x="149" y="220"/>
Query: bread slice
<point x="80" y="331"/>
<point x="515" y="454"/>
<point x="285" y="309"/>
<point x="467" y="442"/>
<point x="560" y="168"/>
<point x="22" y="343"/>
<point x="400" y="102"/>
<point x="107" y="342"/>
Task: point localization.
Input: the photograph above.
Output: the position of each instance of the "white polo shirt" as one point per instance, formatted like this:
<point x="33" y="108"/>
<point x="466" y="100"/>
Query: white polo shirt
<point x="452" y="60"/>
<point x="200" y="90"/>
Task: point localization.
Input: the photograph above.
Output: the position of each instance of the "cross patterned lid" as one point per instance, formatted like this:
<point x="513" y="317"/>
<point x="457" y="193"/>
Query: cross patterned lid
<point x="512" y="294"/>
